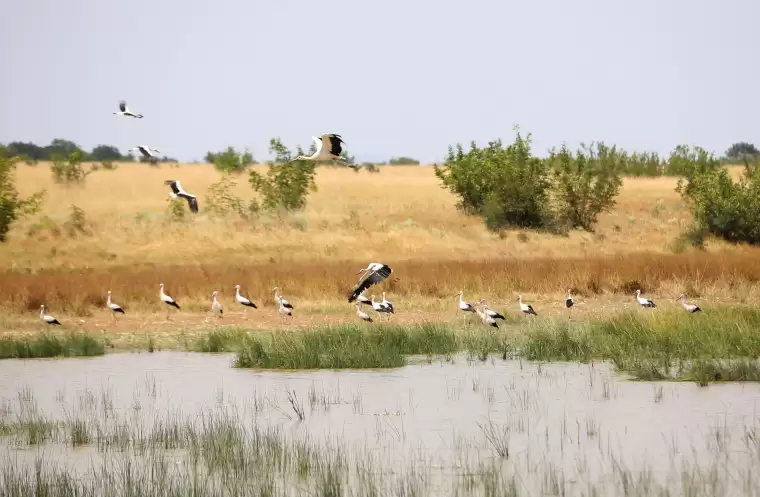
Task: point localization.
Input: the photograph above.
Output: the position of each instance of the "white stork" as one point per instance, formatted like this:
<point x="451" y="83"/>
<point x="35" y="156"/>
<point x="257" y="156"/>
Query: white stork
<point x="167" y="300"/>
<point x="124" y="111"/>
<point x="115" y="308"/>
<point x="328" y="148"/>
<point x="491" y="313"/>
<point x="688" y="307"/>
<point x="485" y="317"/>
<point x="362" y="315"/>
<point x="279" y="300"/>
<point x="285" y="308"/>
<point x="177" y="191"/>
<point x="569" y="303"/>
<point x="379" y="307"/>
<point x="525" y="308"/>
<point x="216" y="307"/>
<point x="644" y="302"/>
<point x="374" y="273"/>
<point x="388" y="304"/>
<point x="242" y="300"/>
<point x="362" y="299"/>
<point x="464" y="306"/>
<point x="46" y="318"/>
<point x="149" y="153"/>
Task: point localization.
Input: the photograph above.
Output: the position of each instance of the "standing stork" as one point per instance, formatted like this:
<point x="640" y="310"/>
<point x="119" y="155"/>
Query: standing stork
<point x="379" y="307"/>
<point x="525" y="308"/>
<point x="216" y="307"/>
<point x="688" y="307"/>
<point x="285" y="308"/>
<point x="279" y="300"/>
<point x="167" y="300"/>
<point x="465" y="307"/>
<point x="374" y="273"/>
<point x="328" y="148"/>
<point x="362" y="315"/>
<point x="485" y="317"/>
<point x="124" y="111"/>
<point x="149" y="153"/>
<point x="492" y="313"/>
<point x="644" y="302"/>
<point x="46" y="318"/>
<point x="569" y="303"/>
<point x="177" y="191"/>
<point x="115" y="308"/>
<point x="243" y="301"/>
<point x="388" y="304"/>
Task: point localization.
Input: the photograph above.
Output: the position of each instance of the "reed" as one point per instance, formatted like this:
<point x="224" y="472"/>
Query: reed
<point x="50" y="345"/>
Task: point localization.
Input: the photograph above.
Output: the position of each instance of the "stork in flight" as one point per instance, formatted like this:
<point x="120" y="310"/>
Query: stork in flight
<point x="124" y="111"/>
<point x="328" y="148"/>
<point x="374" y="273"/>
<point x="147" y="152"/>
<point x="177" y="191"/>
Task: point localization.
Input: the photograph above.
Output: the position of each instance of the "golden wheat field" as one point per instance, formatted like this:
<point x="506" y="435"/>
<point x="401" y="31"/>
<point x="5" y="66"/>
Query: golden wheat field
<point x="400" y="216"/>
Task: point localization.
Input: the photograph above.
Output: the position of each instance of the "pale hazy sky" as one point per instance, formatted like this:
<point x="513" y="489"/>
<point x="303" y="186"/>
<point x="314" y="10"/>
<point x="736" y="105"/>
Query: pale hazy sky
<point x="392" y="77"/>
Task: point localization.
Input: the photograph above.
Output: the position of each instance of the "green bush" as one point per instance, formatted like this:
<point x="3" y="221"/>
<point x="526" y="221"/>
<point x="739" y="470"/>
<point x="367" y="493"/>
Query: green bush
<point x="69" y="170"/>
<point x="507" y="186"/>
<point x="230" y="160"/>
<point x="286" y="184"/>
<point x="12" y="206"/>
<point x="584" y="186"/>
<point x="221" y="201"/>
<point x="722" y="207"/>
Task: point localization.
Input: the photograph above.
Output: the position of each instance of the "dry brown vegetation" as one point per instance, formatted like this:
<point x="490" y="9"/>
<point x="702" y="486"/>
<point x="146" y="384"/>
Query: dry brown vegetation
<point x="400" y="216"/>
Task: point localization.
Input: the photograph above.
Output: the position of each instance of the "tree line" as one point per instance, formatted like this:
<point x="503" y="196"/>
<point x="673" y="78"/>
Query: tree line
<point x="60" y="148"/>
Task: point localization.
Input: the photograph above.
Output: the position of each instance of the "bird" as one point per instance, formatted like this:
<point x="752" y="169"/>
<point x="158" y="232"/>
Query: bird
<point x="279" y="300"/>
<point x="379" y="307"/>
<point x="177" y="191"/>
<point x="388" y="304"/>
<point x="485" y="316"/>
<point x="491" y="313"/>
<point x="328" y="148"/>
<point x="569" y="303"/>
<point x="362" y="299"/>
<point x="526" y="308"/>
<point x="48" y="319"/>
<point x="363" y="315"/>
<point x="216" y="307"/>
<point x="242" y="300"/>
<point x="464" y="306"/>
<point x="115" y="308"/>
<point x="147" y="152"/>
<point x="644" y="302"/>
<point x="167" y="300"/>
<point x="374" y="273"/>
<point x="124" y="111"/>
<point x="285" y="308"/>
<point x="688" y="307"/>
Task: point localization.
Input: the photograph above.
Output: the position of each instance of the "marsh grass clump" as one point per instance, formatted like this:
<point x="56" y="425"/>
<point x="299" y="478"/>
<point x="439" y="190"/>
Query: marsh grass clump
<point x="226" y="339"/>
<point x="345" y="346"/>
<point x="49" y="345"/>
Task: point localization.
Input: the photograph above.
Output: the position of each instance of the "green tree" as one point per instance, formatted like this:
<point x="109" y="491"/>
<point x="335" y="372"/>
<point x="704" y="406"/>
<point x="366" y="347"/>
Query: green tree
<point x="12" y="205"/>
<point x="740" y="150"/>
<point x="103" y="153"/>
<point x="230" y="160"/>
<point x="286" y="184"/>
<point x="69" y="170"/>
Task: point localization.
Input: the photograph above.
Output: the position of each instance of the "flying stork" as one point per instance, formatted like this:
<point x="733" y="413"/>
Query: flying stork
<point x="688" y="307"/>
<point x="644" y="302"/>
<point x="328" y="148"/>
<point x="177" y="191"/>
<point x="124" y="111"/>
<point x="374" y="273"/>
<point x="147" y="152"/>
<point x="46" y="318"/>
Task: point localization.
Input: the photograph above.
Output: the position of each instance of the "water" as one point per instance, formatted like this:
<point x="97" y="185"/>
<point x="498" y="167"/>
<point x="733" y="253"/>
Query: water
<point x="569" y="427"/>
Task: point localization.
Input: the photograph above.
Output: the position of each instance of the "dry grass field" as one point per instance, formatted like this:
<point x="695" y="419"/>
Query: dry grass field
<point x="400" y="216"/>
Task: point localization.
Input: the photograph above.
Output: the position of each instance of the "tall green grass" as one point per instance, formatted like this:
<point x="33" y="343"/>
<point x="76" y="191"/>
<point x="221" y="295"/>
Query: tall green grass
<point x="48" y="345"/>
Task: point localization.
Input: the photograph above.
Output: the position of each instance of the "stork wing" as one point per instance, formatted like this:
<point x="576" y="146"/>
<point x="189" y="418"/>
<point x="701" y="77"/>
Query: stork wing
<point x="122" y="106"/>
<point x="368" y="279"/>
<point x="192" y="202"/>
<point x="173" y="184"/>
<point x="319" y="142"/>
<point x="334" y="141"/>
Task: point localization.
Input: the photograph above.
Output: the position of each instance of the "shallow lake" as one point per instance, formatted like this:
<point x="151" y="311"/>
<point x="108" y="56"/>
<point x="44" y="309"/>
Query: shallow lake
<point x="569" y="428"/>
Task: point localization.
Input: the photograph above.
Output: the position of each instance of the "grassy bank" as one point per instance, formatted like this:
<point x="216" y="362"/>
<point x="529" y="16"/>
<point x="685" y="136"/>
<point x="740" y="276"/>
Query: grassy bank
<point x="51" y="345"/>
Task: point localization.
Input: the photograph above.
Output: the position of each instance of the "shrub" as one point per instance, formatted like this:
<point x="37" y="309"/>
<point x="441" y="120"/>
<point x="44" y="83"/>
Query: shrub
<point x="69" y="170"/>
<point x="286" y="184"/>
<point x="584" y="185"/>
<point x="506" y="186"/>
<point x="12" y="206"/>
<point x="230" y="161"/>
<point x="76" y="224"/>
<point x="221" y="201"/>
<point x="724" y="208"/>
<point x="403" y="161"/>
